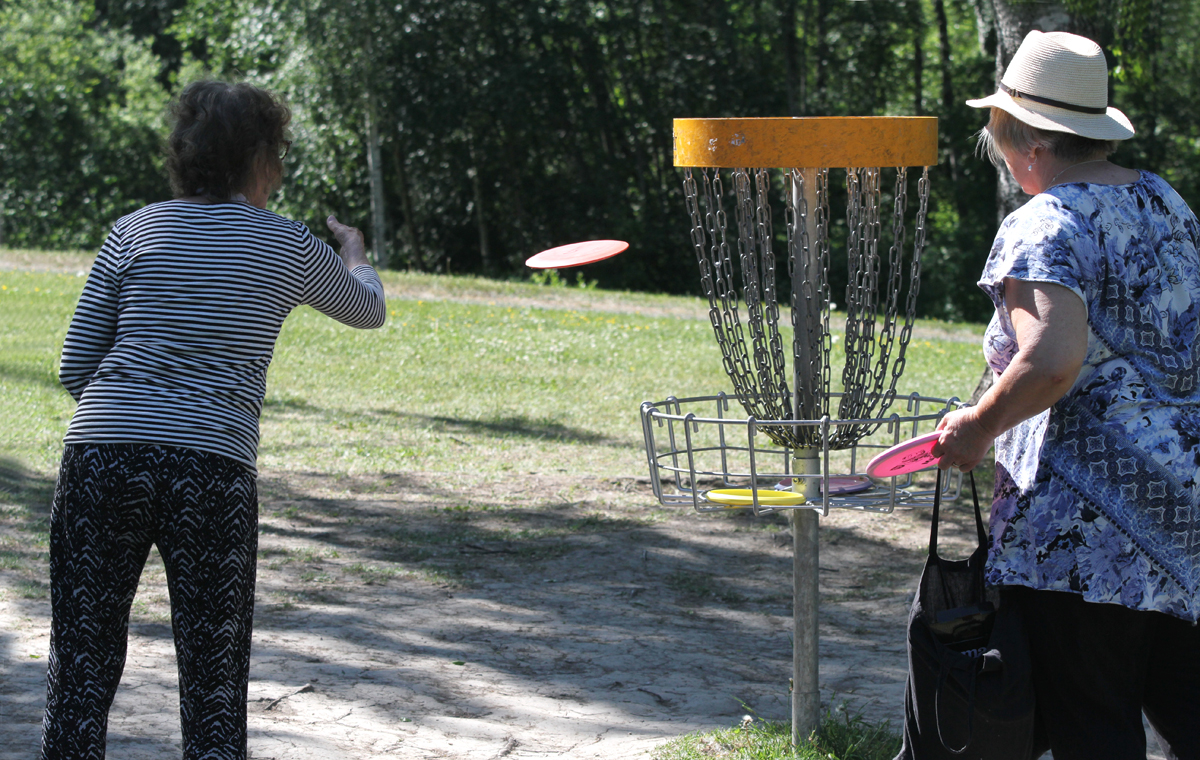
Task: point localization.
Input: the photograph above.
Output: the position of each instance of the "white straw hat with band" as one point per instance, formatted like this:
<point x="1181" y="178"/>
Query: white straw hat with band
<point x="1059" y="82"/>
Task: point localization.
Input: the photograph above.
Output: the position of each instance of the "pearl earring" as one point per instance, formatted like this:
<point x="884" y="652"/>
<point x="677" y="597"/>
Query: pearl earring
<point x="1029" y="168"/>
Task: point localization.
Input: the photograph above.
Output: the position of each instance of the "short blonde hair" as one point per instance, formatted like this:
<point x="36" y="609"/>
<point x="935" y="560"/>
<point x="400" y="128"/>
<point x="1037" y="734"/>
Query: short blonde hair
<point x="1006" y="132"/>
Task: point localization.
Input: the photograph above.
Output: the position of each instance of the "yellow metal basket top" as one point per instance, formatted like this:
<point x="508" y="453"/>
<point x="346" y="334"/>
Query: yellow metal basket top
<point x="807" y="142"/>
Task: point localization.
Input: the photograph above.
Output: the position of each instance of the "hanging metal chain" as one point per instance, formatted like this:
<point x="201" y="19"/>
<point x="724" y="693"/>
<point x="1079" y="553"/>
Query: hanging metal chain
<point x="712" y="256"/>
<point x="710" y="241"/>
<point x="822" y="227"/>
<point x="887" y="334"/>
<point x="758" y="291"/>
<point x="805" y="366"/>
<point x="914" y="276"/>
<point x="862" y="218"/>
<point x="758" y="371"/>
<point x="766" y="234"/>
<point x="808" y="267"/>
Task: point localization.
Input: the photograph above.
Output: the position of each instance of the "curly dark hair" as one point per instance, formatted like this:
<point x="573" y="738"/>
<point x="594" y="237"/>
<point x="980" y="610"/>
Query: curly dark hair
<point x="223" y="135"/>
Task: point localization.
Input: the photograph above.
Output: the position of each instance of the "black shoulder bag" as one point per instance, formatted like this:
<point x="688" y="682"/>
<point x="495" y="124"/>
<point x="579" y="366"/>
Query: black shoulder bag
<point x="969" y="692"/>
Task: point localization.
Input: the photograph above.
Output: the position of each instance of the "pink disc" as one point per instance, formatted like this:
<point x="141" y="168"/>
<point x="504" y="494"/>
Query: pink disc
<point x="575" y="254"/>
<point x="843" y="484"/>
<point x="903" y="458"/>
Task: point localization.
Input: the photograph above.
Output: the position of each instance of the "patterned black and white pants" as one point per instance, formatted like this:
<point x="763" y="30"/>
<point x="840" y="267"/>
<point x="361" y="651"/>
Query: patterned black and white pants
<point x="111" y="503"/>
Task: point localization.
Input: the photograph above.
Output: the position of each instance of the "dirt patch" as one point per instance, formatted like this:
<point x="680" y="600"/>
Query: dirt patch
<point x="409" y="616"/>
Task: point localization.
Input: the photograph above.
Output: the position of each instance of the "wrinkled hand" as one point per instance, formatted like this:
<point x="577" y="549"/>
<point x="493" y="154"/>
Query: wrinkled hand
<point x="964" y="441"/>
<point x="353" y="249"/>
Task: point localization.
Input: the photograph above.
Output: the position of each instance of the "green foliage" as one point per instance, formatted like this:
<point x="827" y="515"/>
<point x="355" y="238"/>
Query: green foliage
<point x="80" y="125"/>
<point x="1156" y="55"/>
<point x="551" y="278"/>
<point x="511" y="126"/>
<point x="548" y="122"/>
<point x="842" y="736"/>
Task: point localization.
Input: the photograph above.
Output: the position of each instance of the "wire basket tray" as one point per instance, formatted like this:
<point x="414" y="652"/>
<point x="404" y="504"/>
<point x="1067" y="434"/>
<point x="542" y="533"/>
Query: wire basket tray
<point x="693" y="445"/>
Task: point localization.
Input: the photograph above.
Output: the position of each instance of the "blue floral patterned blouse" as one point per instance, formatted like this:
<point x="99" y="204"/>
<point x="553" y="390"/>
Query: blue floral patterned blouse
<point x="1099" y="495"/>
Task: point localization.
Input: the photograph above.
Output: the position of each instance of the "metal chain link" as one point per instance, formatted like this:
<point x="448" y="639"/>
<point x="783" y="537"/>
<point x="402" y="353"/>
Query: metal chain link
<point x="758" y="290"/>
<point x="862" y="219"/>
<point x="709" y="224"/>
<point x="887" y="334"/>
<point x="914" y="277"/>
<point x="758" y="371"/>
<point x="710" y="241"/>
<point x="807" y="363"/>
<point x="822" y="227"/>
<point x="766" y="234"/>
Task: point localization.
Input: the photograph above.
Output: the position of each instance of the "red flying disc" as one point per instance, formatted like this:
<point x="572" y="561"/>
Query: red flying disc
<point x="903" y="458"/>
<point x="575" y="254"/>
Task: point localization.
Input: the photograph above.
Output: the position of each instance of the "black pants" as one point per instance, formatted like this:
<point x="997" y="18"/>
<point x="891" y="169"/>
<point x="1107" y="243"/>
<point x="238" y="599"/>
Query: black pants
<point x="1098" y="667"/>
<point x="111" y="503"/>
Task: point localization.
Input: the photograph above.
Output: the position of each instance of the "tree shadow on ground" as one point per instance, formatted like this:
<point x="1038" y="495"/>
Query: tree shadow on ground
<point x="505" y="426"/>
<point x="515" y="425"/>
<point x="34" y="375"/>
<point x="423" y="598"/>
<point x="620" y="575"/>
<point x="25" y="500"/>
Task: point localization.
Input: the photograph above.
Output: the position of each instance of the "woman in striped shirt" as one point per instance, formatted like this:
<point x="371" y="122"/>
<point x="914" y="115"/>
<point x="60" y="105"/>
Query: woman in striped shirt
<point x="167" y="355"/>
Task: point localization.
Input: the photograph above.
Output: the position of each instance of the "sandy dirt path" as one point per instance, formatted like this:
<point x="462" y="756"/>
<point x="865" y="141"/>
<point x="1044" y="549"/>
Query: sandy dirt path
<point x="409" y="617"/>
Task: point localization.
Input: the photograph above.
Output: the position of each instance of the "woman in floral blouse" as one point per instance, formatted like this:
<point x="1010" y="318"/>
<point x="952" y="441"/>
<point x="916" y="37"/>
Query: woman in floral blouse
<point x="1095" y="413"/>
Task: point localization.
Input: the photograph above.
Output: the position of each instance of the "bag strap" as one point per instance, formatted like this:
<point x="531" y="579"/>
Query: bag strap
<point x="937" y="507"/>
<point x="943" y="672"/>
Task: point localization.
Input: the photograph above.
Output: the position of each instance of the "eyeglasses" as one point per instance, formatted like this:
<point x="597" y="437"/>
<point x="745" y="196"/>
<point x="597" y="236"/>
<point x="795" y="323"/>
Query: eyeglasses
<point x="287" y="145"/>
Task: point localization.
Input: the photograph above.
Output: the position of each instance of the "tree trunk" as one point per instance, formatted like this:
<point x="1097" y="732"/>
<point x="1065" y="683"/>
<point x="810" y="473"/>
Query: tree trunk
<point x="375" y="173"/>
<point x="939" y="12"/>
<point x="480" y="220"/>
<point x="791" y="59"/>
<point x="803" y="73"/>
<point x="1013" y="20"/>
<point x="822" y="52"/>
<point x="918" y="31"/>
<point x="948" y="103"/>
<point x="406" y="206"/>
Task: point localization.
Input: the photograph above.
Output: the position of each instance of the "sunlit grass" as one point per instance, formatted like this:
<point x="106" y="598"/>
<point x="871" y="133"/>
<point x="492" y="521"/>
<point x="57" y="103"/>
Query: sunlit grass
<point x="35" y="308"/>
<point x="841" y="737"/>
<point x="484" y="382"/>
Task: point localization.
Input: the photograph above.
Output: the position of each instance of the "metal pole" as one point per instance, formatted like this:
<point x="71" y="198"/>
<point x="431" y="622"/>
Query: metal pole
<point x="806" y="693"/>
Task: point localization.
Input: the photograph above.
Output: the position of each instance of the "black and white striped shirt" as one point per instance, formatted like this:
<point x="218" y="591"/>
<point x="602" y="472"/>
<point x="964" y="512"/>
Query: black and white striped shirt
<point x="177" y="323"/>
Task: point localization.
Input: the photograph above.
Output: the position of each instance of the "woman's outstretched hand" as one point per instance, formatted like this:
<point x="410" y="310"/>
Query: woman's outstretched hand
<point x="964" y="441"/>
<point x="353" y="250"/>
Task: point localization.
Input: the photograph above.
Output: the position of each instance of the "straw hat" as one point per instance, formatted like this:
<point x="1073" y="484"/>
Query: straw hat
<point x="1059" y="82"/>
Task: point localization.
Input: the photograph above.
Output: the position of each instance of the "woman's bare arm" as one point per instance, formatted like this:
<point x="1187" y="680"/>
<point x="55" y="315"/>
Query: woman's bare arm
<point x="1052" y="332"/>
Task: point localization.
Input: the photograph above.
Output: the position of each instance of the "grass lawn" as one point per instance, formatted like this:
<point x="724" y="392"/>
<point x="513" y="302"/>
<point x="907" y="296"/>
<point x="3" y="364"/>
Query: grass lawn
<point x="842" y="737"/>
<point x="471" y="380"/>
<point x="468" y="376"/>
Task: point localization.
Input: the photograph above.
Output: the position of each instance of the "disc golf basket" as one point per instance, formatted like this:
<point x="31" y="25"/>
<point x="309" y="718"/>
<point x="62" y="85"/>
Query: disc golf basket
<point x="800" y="433"/>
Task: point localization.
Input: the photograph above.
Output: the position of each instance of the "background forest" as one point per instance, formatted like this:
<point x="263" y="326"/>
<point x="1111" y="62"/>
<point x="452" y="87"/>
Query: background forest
<point x="464" y="136"/>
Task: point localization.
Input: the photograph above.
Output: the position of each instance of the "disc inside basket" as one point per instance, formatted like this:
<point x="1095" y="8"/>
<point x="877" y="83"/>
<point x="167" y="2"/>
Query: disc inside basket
<point x="843" y="484"/>
<point x="744" y="497"/>
<point x="838" y="484"/>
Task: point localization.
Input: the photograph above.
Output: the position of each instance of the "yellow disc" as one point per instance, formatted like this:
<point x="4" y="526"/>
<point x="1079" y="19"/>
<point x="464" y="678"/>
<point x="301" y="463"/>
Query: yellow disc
<point x="744" y="497"/>
<point x="807" y="142"/>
